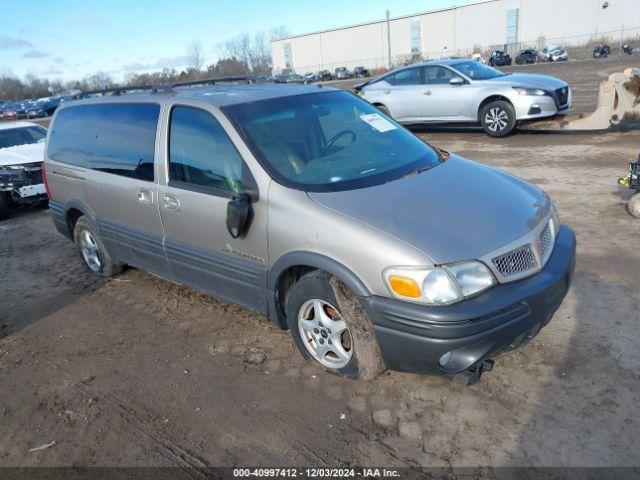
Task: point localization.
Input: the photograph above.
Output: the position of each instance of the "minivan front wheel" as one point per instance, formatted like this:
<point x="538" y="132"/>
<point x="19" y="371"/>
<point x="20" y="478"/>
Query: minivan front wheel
<point x="95" y="257"/>
<point x="384" y="110"/>
<point x="498" y="118"/>
<point x="330" y="328"/>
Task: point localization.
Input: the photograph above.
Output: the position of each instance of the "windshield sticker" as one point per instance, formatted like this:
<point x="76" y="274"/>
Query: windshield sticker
<point x="377" y="122"/>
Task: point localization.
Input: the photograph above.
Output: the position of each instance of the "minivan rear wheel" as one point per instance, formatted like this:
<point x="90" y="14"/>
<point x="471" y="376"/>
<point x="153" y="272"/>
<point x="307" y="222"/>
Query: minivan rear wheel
<point x="498" y="118"/>
<point x="95" y="256"/>
<point x="330" y="328"/>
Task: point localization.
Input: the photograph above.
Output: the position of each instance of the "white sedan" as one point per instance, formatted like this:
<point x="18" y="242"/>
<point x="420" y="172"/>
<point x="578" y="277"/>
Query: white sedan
<point x="21" y="157"/>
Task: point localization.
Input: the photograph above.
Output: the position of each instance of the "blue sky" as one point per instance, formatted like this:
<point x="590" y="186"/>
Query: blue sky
<point x="71" y="39"/>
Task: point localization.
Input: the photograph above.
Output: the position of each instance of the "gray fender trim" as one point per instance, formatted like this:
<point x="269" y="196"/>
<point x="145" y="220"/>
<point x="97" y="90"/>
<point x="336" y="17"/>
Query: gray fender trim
<point x="308" y="259"/>
<point x="81" y="206"/>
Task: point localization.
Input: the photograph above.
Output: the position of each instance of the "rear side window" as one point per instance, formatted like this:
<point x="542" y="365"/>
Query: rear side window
<point x="201" y="154"/>
<point x="117" y="138"/>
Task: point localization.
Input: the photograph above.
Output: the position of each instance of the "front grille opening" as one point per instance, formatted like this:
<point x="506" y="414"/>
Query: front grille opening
<point x="546" y="242"/>
<point x="515" y="262"/>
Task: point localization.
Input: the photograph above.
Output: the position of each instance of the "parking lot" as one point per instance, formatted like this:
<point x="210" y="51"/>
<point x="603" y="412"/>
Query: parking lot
<point x="135" y="370"/>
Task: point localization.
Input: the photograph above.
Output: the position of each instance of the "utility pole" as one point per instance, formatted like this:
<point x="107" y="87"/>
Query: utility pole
<point x="388" y="40"/>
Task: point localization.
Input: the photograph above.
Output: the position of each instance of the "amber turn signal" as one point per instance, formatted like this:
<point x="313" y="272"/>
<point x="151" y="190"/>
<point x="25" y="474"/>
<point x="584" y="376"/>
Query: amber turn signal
<point x="404" y="286"/>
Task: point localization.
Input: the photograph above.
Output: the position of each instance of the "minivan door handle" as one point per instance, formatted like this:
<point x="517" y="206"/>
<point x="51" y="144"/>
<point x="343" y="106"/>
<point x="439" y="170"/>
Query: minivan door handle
<point x="145" y="196"/>
<point x="169" y="202"/>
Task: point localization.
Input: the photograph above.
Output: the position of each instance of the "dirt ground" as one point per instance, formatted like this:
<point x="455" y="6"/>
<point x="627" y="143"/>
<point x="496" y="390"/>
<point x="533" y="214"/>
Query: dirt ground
<point x="137" y="371"/>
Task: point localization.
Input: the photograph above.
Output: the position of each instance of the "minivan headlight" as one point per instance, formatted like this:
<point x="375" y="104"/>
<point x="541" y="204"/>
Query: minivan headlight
<point x="536" y="92"/>
<point x="438" y="285"/>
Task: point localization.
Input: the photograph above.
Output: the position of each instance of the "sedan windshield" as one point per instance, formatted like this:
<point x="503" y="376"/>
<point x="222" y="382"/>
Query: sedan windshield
<point x="329" y="141"/>
<point x="476" y="70"/>
<point x="12" y="137"/>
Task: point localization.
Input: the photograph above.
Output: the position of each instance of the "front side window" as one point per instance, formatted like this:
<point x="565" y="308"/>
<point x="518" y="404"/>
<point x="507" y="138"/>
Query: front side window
<point x="12" y="137"/>
<point x="201" y="154"/>
<point x="329" y="141"/>
<point x="116" y="138"/>
<point x="408" y="76"/>
<point x="437" y="75"/>
<point x="476" y="70"/>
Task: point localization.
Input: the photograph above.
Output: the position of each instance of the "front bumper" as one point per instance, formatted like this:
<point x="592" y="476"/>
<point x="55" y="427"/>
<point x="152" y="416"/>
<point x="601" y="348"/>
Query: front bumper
<point x="529" y="107"/>
<point x="451" y="339"/>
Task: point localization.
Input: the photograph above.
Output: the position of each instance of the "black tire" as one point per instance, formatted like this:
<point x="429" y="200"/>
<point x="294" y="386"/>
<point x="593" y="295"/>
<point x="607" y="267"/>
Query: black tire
<point x="107" y="267"/>
<point x="366" y="361"/>
<point x="384" y="110"/>
<point x="4" y="206"/>
<point x="498" y="118"/>
<point x="634" y="205"/>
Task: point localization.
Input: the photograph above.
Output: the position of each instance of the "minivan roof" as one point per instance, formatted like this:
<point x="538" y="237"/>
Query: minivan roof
<point x="218" y="95"/>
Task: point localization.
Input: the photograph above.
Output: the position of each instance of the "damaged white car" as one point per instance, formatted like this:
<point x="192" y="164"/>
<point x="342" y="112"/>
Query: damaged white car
<point x="21" y="157"/>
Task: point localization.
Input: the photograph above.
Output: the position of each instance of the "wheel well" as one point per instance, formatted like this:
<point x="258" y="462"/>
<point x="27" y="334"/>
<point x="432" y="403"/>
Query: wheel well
<point x="73" y="214"/>
<point x="490" y="99"/>
<point x="286" y="280"/>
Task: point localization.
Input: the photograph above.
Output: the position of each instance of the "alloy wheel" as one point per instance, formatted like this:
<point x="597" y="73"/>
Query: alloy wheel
<point x="90" y="250"/>
<point x="325" y="334"/>
<point x="496" y="119"/>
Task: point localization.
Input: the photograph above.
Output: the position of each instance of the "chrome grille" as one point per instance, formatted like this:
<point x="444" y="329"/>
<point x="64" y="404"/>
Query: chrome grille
<point x="516" y="261"/>
<point x="546" y="242"/>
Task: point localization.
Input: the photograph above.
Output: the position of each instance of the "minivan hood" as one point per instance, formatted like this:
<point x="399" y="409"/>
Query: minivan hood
<point x="459" y="210"/>
<point x="22" y="154"/>
<point x="532" y="80"/>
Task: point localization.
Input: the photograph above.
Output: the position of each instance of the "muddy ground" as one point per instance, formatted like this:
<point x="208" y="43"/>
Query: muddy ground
<point x="135" y="370"/>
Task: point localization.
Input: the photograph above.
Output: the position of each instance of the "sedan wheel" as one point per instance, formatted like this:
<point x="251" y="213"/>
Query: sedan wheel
<point x="498" y="118"/>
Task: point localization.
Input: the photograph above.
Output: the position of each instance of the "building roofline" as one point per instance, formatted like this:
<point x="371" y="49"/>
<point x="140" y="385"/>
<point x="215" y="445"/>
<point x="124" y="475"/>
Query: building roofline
<point x="373" y="22"/>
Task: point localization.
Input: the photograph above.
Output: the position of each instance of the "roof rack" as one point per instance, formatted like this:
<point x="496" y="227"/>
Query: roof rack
<point x="167" y="88"/>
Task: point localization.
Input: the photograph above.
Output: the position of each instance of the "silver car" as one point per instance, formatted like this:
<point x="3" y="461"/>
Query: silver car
<point x="308" y="206"/>
<point x="466" y="91"/>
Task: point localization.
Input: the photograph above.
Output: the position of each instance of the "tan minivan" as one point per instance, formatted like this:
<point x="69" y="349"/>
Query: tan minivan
<point x="308" y="205"/>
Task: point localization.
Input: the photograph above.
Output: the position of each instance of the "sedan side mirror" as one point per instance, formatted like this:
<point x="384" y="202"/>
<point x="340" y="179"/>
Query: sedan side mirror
<point x="456" y="81"/>
<point x="238" y="213"/>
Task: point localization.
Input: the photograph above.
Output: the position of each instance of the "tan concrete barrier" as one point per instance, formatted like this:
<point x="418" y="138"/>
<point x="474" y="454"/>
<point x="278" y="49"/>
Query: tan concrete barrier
<point x="618" y="107"/>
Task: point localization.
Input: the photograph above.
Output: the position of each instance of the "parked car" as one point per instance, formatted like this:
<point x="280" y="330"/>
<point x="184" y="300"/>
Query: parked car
<point x="554" y="53"/>
<point x="9" y="111"/>
<point x="296" y="217"/>
<point x="341" y="73"/>
<point x="601" y="51"/>
<point x="528" y="55"/>
<point x="499" y="58"/>
<point x="324" y="75"/>
<point x="295" y="78"/>
<point x="21" y="157"/>
<point x="361" y="72"/>
<point x="309" y="77"/>
<point x="466" y="91"/>
<point x="477" y="57"/>
<point x="42" y="108"/>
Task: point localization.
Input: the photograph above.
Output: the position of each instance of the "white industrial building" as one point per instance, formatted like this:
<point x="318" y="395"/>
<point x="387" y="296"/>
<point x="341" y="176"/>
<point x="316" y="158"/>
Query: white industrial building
<point x="458" y="31"/>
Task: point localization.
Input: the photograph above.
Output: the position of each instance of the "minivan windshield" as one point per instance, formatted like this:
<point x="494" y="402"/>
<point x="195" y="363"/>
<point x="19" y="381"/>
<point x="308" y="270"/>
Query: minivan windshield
<point x="329" y="141"/>
<point x="476" y="70"/>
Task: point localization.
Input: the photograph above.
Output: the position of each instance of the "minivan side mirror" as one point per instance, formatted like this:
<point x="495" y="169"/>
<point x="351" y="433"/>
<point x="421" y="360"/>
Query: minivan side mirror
<point x="238" y="213"/>
<point x="456" y="81"/>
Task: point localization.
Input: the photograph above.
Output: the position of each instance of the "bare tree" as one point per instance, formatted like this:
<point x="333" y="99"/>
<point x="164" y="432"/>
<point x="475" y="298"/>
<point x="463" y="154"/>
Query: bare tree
<point x="195" y="56"/>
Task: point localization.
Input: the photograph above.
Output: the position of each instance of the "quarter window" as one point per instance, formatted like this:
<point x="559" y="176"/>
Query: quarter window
<point x="201" y="154"/>
<point x="117" y="138"/>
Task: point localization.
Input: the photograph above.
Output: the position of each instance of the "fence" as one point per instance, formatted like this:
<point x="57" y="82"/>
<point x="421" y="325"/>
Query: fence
<point x="578" y="47"/>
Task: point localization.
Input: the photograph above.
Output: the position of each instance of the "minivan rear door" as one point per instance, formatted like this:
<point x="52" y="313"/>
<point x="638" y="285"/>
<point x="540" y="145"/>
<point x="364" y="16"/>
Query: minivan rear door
<point x="203" y="170"/>
<point x="121" y="179"/>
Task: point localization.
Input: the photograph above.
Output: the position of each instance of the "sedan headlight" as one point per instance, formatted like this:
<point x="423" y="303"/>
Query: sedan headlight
<point x="438" y="285"/>
<point x="535" y="92"/>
